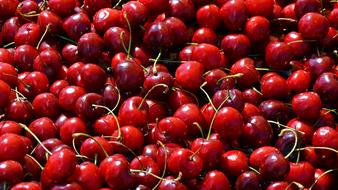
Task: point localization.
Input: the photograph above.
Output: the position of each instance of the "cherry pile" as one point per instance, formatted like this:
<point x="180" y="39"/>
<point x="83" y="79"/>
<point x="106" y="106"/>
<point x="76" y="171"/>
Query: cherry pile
<point x="168" y="94"/>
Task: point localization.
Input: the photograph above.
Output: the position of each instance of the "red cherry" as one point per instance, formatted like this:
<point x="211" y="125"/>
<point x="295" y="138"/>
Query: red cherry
<point x="6" y="56"/>
<point x="92" y="77"/>
<point x="106" y="18"/>
<point x="173" y="128"/>
<point x="48" y="62"/>
<point x="160" y="34"/>
<point x="204" y="35"/>
<point x="8" y="126"/>
<point x="280" y="185"/>
<point x="71" y="126"/>
<point x="209" y="55"/>
<point x="105" y="125"/>
<point x="50" y="20"/>
<point x="325" y="181"/>
<point x="274" y="167"/>
<point x="257" y="29"/>
<point x="182" y="160"/>
<point x="29" y="34"/>
<point x="275" y="110"/>
<point x="178" y="29"/>
<point x="258" y="156"/>
<point x="46" y="105"/>
<point x="304" y="6"/>
<point x="236" y="45"/>
<point x="69" y="186"/>
<point x="325" y="137"/>
<point x="252" y="96"/>
<point x="233" y="14"/>
<point x="27" y="186"/>
<point x="62" y="7"/>
<point x="189" y="75"/>
<point x="13" y="147"/>
<point x="169" y="183"/>
<point x="20" y="111"/>
<point x="156" y="6"/>
<point x="326" y="86"/>
<point x="274" y="86"/>
<point x="215" y="180"/>
<point x="86" y="106"/>
<point x="9" y="29"/>
<point x="68" y="97"/>
<point x="60" y="165"/>
<point x="307" y="105"/>
<point x="8" y="74"/>
<point x="301" y="172"/>
<point x="5" y="92"/>
<point x="299" y="81"/>
<point x="182" y="9"/>
<point x="44" y="128"/>
<point x="11" y="172"/>
<point x="33" y="83"/>
<point x="136" y="12"/>
<point x="208" y="16"/>
<point x="234" y="163"/>
<point x="88" y="175"/>
<point x="232" y="98"/>
<point x="278" y="55"/>
<point x="313" y="26"/>
<point x="260" y="8"/>
<point x="92" y="6"/>
<point x="248" y="180"/>
<point x="90" y="46"/>
<point x="132" y="112"/>
<point x="24" y="57"/>
<point x="147" y="164"/>
<point x="76" y="25"/>
<point x="249" y="73"/>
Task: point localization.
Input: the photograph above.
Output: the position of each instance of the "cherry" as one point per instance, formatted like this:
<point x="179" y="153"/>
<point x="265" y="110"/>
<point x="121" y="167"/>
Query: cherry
<point x="5" y="92"/>
<point x="95" y="147"/>
<point x="252" y="96"/>
<point x="88" y="175"/>
<point x="274" y="167"/>
<point x="9" y="29"/>
<point x="146" y="165"/>
<point x="323" y="179"/>
<point x="189" y="75"/>
<point x="156" y="6"/>
<point x="257" y="132"/>
<point x="60" y="165"/>
<point x="62" y="7"/>
<point x="13" y="147"/>
<point x="115" y="172"/>
<point x="127" y="138"/>
<point x="234" y="163"/>
<point x="27" y="186"/>
<point x="184" y="161"/>
<point x="28" y="33"/>
<point x="233" y="14"/>
<point x="257" y="29"/>
<point x="105" y="18"/>
<point x="273" y="86"/>
<point x="301" y="172"/>
<point x="318" y="65"/>
<point x="33" y="84"/>
<point x="47" y="20"/>
<point x="182" y="9"/>
<point x="236" y="45"/>
<point x="48" y="62"/>
<point x="178" y="29"/>
<point x="313" y="26"/>
<point x="299" y="81"/>
<point x="6" y="56"/>
<point x="280" y="185"/>
<point x="90" y="46"/>
<point x="304" y="6"/>
<point x="11" y="172"/>
<point x="173" y="128"/>
<point x="157" y="78"/>
<point x="307" y="105"/>
<point x="249" y="73"/>
<point x="325" y="119"/>
<point x="31" y="168"/>
<point x="325" y="137"/>
<point x="105" y="125"/>
<point x="134" y="112"/>
<point x="232" y="98"/>
<point x="71" y="126"/>
<point x="258" y="156"/>
<point x="215" y="180"/>
<point x="249" y="111"/>
<point x="85" y="106"/>
<point x="157" y="110"/>
<point x="179" y="97"/>
<point x="260" y="8"/>
<point x="228" y="123"/>
<point x="92" y="77"/>
<point x="136" y="12"/>
<point x="40" y="153"/>
<point x="76" y="25"/>
<point x="19" y="110"/>
<point x="210" y="151"/>
<point x="8" y="126"/>
<point x="92" y="6"/>
<point x="46" y="105"/>
<point x="275" y="110"/>
<point x="8" y="8"/>
<point x="43" y="128"/>
<point x="24" y="57"/>
<point x="204" y="35"/>
<point x="296" y="42"/>
<point x="248" y="180"/>
<point x="326" y="86"/>
<point x="278" y="55"/>
<point x="158" y="33"/>
<point x="170" y="183"/>
<point x="208" y="16"/>
<point x="68" y="97"/>
<point x="191" y="114"/>
<point x="209" y="55"/>
<point x="116" y="38"/>
<point x="128" y="75"/>
<point x="69" y="186"/>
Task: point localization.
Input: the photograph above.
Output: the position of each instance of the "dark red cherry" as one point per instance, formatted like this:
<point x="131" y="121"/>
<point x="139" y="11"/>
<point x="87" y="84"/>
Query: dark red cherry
<point x="76" y="25"/>
<point x="69" y="127"/>
<point x="5" y="92"/>
<point x="275" y="110"/>
<point x="106" y="18"/>
<point x="182" y="9"/>
<point x="280" y="185"/>
<point x="179" y="97"/>
<point x="19" y="111"/>
<point x="252" y="96"/>
<point x="147" y="164"/>
<point x="233" y="14"/>
<point x="169" y="183"/>
<point x="159" y="35"/>
<point x="318" y="65"/>
<point x="274" y="167"/>
<point x="8" y="8"/>
<point x="48" y="62"/>
<point x="232" y="98"/>
<point x="178" y="29"/>
<point x="304" y="6"/>
<point x="257" y="157"/>
<point x="116" y="38"/>
<point x="208" y="16"/>
<point x="44" y="128"/>
<point x="62" y="7"/>
<point x="130" y="136"/>
<point x="92" y="6"/>
<point x="325" y="181"/>
<point x="24" y="57"/>
<point x="132" y="112"/>
<point x="33" y="84"/>
<point x="325" y="137"/>
<point x="299" y="81"/>
<point x="50" y="19"/>
<point x="248" y="180"/>
<point x="204" y="35"/>
<point x="8" y="126"/>
<point x="29" y="34"/>
<point x="278" y="55"/>
<point x="156" y="6"/>
<point x="273" y="86"/>
<point x="313" y="26"/>
<point x="86" y="106"/>
<point x="90" y="46"/>
<point x="236" y="45"/>
<point x="326" y="86"/>
<point x="136" y="12"/>
<point x="6" y="56"/>
<point x="249" y="111"/>
<point x="257" y="29"/>
<point x="299" y="46"/>
<point x="9" y="29"/>
<point x="68" y="186"/>
<point x="92" y="77"/>
<point x="13" y="147"/>
<point x="246" y="67"/>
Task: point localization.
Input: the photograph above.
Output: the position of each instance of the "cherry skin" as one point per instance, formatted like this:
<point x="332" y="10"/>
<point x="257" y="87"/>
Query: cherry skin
<point x="19" y="111"/>
<point x="147" y="164"/>
<point x="68" y="97"/>
<point x="24" y="57"/>
<point x="260" y="8"/>
<point x="233" y="14"/>
<point x="50" y="144"/>
<point x="105" y="125"/>
<point x="44" y="128"/>
<point x="280" y="185"/>
<point x="208" y="16"/>
<point x="301" y="172"/>
<point x="182" y="9"/>
<point x="173" y="128"/>
<point x="234" y="163"/>
<point x="249" y="111"/>
<point x="248" y="180"/>
<point x="76" y="25"/>
<point x="91" y="147"/>
<point x="155" y="79"/>
<point x="13" y="147"/>
<point x="190" y="114"/>
<point x="210" y="150"/>
<point x="50" y="19"/>
<point x="215" y="180"/>
<point x="179" y="97"/>
<point x="257" y="132"/>
<point x="5" y="92"/>
<point x="85" y="106"/>
<point x="169" y="183"/>
<point x="189" y="75"/>
<point x="275" y="110"/>
<point x="307" y="105"/>
<point x="136" y="13"/>
<point x="8" y="74"/>
<point x="132" y="112"/>
<point x="232" y="98"/>
<point x="46" y="105"/>
<point x="90" y="46"/>
<point x="115" y="172"/>
<point x="325" y="137"/>
<point x="318" y="65"/>
<point x="258" y="156"/>
<point x="182" y="160"/>
<point x="299" y="81"/>
<point x="326" y="86"/>
<point x="92" y="77"/>
<point x="33" y="84"/>
<point x="228" y="123"/>
<point x="252" y="96"/>
<point x="236" y="45"/>
<point x="105" y="18"/>
<point x="6" y="56"/>
<point x="69" y="186"/>
<point x="246" y="67"/>
<point x="274" y="167"/>
<point x="11" y="172"/>
<point x="204" y="35"/>
<point x="324" y="181"/>
<point x="157" y="110"/>
<point x="274" y="86"/>
<point x="115" y="37"/>
<point x="28" y="33"/>
<point x="88" y="175"/>
<point x="209" y="55"/>
<point x="257" y="29"/>
<point x="27" y="186"/>
<point x="278" y="55"/>
<point x="9" y="29"/>
<point x="48" y="62"/>
<point x="313" y="26"/>
<point x="71" y="126"/>
<point x="57" y="86"/>
<point x="179" y="30"/>
<point x="61" y="165"/>
<point x="160" y="34"/>
<point x="8" y="126"/>
<point x="304" y="6"/>
<point x="131" y="137"/>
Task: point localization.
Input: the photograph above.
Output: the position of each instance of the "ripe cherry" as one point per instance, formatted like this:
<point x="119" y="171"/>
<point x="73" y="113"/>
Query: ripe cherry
<point x="307" y="105"/>
<point x="313" y="26"/>
<point x="233" y="14"/>
<point x="88" y="175"/>
<point x="189" y="75"/>
<point x="301" y="172"/>
<point x="248" y="180"/>
<point x="11" y="172"/>
<point x="215" y="180"/>
<point x="236" y="45"/>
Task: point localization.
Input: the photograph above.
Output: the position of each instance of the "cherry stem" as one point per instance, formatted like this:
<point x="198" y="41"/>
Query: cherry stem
<point x="186" y="91"/>
<point x="31" y="157"/>
<point x="115" y="118"/>
<point x="29" y="14"/>
<point x="78" y="155"/>
<point x="256" y="90"/>
<point x="43" y="35"/>
<point x="9" y="44"/>
<point x="331" y="110"/>
<point x="17" y="94"/>
<point x="66" y="39"/>
<point x="4" y="186"/>
<point x="151" y="89"/>
<point x="192" y="43"/>
<point x="155" y="62"/>
<point x="319" y="148"/>
<point x="335" y="36"/>
<point x="207" y="95"/>
<point x="126" y="147"/>
<point x="117" y="4"/>
<point x="284" y="19"/>
<point x="165" y="163"/>
<point x="300" y="186"/>
<point x="122" y="42"/>
<point x="199" y="128"/>
<point x="118" y="99"/>
<point x="281" y="125"/>
<point x="76" y="135"/>
<point x="253" y="169"/>
<point x="295" y="144"/>
<point x="237" y="75"/>
<point x="130" y="34"/>
<point x="300" y="41"/>
<point x="321" y="175"/>
<point x="35" y="137"/>
<point x="262" y="69"/>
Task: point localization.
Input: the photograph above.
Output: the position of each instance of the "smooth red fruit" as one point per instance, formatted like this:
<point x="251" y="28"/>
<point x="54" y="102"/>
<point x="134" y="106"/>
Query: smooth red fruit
<point x="301" y="172"/>
<point x="313" y="26"/>
<point x="215" y="180"/>
<point x="307" y="105"/>
<point x="11" y="172"/>
<point x="233" y="14"/>
<point x="189" y="75"/>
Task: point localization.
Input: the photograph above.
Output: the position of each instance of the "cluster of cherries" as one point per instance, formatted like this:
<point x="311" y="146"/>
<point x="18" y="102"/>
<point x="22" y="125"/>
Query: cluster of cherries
<point x="168" y="94"/>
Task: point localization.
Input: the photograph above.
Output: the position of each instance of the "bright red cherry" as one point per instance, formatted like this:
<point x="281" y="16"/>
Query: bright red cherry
<point x="313" y="26"/>
<point x="307" y="105"/>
